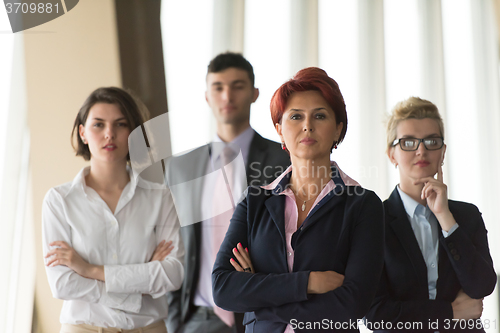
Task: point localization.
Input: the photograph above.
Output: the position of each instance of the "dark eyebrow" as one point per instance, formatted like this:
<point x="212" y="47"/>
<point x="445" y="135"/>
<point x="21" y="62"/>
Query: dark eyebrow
<point x="119" y="119"/>
<point x="218" y="83"/>
<point x="428" y="136"/>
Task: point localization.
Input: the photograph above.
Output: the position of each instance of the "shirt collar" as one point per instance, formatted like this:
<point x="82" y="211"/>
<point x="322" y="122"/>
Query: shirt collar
<point x="339" y="177"/>
<point x="241" y="142"/>
<point x="129" y="190"/>
<point x="79" y="180"/>
<point x="411" y="205"/>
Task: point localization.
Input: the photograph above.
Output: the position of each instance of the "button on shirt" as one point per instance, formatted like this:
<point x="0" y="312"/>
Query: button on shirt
<point x="292" y="214"/>
<point x="123" y="242"/>
<point x="425" y="227"/>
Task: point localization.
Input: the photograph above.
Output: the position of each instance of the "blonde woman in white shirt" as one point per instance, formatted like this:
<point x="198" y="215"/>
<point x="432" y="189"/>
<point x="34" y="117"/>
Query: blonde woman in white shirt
<point x="111" y="243"/>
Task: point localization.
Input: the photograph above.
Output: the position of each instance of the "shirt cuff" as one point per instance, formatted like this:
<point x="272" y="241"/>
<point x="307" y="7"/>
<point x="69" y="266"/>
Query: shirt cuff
<point x="120" y="301"/>
<point x="446" y="234"/>
<point x="128" y="279"/>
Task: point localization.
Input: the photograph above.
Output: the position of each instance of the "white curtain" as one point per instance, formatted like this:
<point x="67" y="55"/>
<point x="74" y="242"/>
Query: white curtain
<point x="17" y="236"/>
<point x="473" y="115"/>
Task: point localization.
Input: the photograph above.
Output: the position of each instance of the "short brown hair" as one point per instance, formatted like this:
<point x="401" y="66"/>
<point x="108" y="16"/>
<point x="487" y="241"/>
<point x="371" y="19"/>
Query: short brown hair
<point x="227" y="60"/>
<point x="411" y="108"/>
<point x="131" y="107"/>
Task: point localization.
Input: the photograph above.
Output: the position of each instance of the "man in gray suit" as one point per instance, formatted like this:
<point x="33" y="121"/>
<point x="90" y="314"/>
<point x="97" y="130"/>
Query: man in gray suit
<point x="230" y="93"/>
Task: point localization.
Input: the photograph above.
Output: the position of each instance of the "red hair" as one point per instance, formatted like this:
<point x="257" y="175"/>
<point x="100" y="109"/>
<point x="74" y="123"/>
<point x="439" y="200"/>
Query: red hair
<point x="310" y="78"/>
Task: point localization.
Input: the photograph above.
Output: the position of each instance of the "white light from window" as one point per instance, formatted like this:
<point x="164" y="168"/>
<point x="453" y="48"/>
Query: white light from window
<point x="187" y="46"/>
<point x="338" y="56"/>
<point x="6" y="58"/>
<point x="267" y="47"/>
<point x="7" y="47"/>
<point x="402" y="54"/>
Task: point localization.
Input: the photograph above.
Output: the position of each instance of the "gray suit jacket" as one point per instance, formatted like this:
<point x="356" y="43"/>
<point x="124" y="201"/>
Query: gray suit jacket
<point x="266" y="161"/>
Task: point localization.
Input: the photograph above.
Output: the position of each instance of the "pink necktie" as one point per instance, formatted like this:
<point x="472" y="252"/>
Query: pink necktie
<point x="222" y="193"/>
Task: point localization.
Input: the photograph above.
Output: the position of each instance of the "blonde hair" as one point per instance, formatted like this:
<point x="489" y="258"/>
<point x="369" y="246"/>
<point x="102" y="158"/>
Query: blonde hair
<point x="411" y="108"/>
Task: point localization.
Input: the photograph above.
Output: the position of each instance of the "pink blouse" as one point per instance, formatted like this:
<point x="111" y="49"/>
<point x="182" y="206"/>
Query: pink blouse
<point x="292" y="213"/>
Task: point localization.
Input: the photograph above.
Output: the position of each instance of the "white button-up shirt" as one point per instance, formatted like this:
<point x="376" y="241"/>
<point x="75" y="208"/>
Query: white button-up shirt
<point x="123" y="242"/>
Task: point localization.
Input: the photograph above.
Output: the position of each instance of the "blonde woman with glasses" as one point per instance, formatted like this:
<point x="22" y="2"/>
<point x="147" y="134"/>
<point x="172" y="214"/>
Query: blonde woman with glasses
<point x="437" y="265"/>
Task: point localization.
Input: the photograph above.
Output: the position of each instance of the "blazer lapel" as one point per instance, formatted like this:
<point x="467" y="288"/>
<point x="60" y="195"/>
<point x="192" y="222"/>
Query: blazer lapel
<point x="256" y="154"/>
<point x="184" y="174"/>
<point x="276" y="207"/>
<point x="402" y="228"/>
<point x="189" y="166"/>
<point x="329" y="201"/>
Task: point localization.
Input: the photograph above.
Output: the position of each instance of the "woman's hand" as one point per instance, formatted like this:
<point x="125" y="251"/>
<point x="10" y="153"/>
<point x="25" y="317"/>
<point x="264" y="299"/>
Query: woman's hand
<point x="162" y="251"/>
<point x="244" y="263"/>
<point x="435" y="192"/>
<point x="67" y="256"/>
<point x="466" y="308"/>
<point x="323" y="282"/>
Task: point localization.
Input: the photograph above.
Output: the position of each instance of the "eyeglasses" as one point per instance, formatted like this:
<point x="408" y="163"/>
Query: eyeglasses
<point x="411" y="144"/>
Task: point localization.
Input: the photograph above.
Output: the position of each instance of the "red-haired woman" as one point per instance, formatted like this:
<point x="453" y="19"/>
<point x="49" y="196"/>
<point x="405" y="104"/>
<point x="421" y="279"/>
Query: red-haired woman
<point x="308" y="246"/>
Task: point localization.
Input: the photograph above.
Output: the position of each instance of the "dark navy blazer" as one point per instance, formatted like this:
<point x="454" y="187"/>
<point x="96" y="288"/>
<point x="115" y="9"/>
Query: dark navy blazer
<point x="343" y="233"/>
<point x="464" y="263"/>
<point x="265" y="160"/>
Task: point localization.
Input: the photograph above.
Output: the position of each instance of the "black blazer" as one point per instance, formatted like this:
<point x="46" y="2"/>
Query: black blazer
<point x="343" y="233"/>
<point x="265" y="161"/>
<point x="464" y="263"/>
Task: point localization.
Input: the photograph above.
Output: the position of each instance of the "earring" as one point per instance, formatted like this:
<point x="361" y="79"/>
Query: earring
<point x="283" y="146"/>
<point x="442" y="163"/>
<point x="335" y="145"/>
<point x="83" y="140"/>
